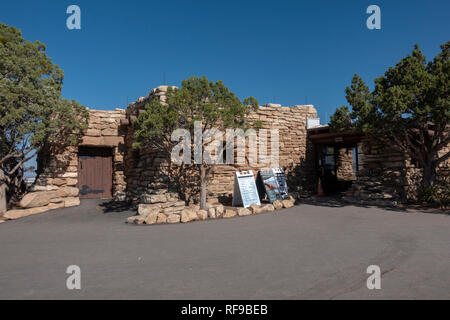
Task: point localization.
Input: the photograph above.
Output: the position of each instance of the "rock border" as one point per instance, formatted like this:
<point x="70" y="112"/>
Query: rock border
<point x="168" y="213"/>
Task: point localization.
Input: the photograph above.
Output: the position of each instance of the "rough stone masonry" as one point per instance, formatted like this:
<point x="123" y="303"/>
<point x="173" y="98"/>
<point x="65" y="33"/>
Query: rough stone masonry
<point x="145" y="177"/>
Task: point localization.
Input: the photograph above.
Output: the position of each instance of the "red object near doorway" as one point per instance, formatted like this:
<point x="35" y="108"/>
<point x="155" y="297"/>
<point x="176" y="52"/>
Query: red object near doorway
<point x="320" y="192"/>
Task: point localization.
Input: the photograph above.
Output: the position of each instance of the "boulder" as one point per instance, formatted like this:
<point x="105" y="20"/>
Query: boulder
<point x="151" y="218"/>
<point x="37" y="199"/>
<point x="56" y="205"/>
<point x="71" y="182"/>
<point x="229" y="213"/>
<point x="136" y="220"/>
<point x="255" y="209"/>
<point x="153" y="198"/>
<point x="20" y="213"/>
<point x="277" y="204"/>
<point x="202" y="215"/>
<point x="67" y="192"/>
<point x="71" y="202"/>
<point x="161" y="218"/>
<point x="145" y="209"/>
<point x="58" y="181"/>
<point x="43" y="188"/>
<point x="212" y="213"/>
<point x="243" y="212"/>
<point x="173" y="218"/>
<point x="220" y="210"/>
<point x="173" y="210"/>
<point x="287" y="203"/>
<point x="268" y="208"/>
<point x="187" y="215"/>
<point x="70" y="175"/>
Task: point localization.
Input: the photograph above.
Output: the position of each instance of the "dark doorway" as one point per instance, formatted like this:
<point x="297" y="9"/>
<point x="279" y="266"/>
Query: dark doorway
<point x="95" y="172"/>
<point x="337" y="158"/>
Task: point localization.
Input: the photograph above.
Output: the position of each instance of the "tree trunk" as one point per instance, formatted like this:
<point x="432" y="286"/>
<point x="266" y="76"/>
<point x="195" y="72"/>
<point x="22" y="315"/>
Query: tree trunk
<point x="429" y="174"/>
<point x="2" y="193"/>
<point x="203" y="184"/>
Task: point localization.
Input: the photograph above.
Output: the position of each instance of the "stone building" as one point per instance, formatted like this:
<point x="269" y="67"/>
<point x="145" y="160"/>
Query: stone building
<point x="105" y="165"/>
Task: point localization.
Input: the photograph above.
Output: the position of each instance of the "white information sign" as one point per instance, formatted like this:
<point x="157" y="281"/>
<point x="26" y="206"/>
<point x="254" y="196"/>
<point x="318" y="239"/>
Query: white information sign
<point x="245" y="193"/>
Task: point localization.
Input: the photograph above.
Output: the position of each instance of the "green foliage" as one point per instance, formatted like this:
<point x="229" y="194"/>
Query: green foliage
<point x="438" y="195"/>
<point x="341" y="120"/>
<point x="197" y="99"/>
<point x="32" y="112"/>
<point x="409" y="107"/>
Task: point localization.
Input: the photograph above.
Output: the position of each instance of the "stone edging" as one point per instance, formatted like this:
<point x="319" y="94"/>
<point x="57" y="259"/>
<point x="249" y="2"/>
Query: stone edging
<point x="151" y="214"/>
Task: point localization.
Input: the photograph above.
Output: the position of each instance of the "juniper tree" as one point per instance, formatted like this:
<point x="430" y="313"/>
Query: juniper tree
<point x="33" y="114"/>
<point x="197" y="100"/>
<point x="409" y="107"/>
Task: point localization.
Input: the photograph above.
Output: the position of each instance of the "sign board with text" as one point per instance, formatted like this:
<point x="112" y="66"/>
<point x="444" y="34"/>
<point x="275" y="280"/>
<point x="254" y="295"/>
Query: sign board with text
<point x="281" y="179"/>
<point x="268" y="185"/>
<point x="245" y="193"/>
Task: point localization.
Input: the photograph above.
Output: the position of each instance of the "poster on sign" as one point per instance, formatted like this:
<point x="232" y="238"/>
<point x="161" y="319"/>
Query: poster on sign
<point x="281" y="179"/>
<point x="268" y="185"/>
<point x="245" y="193"/>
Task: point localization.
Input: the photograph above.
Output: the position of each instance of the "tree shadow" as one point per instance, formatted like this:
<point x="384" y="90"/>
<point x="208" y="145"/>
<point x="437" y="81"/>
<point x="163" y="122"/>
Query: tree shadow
<point x="117" y="206"/>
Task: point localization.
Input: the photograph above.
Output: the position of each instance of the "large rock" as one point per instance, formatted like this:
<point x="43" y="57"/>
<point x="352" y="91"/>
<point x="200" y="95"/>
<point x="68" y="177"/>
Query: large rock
<point x="202" y="215"/>
<point x="173" y="210"/>
<point x="153" y="198"/>
<point x="67" y="192"/>
<point x="71" y="182"/>
<point x="268" y="208"/>
<point x="277" y="204"/>
<point x="288" y="203"/>
<point x="212" y="213"/>
<point x="136" y="220"/>
<point x="229" y="213"/>
<point x="56" y="205"/>
<point x="58" y="181"/>
<point x="145" y="209"/>
<point x="37" y="199"/>
<point x="161" y="218"/>
<point x="71" y="202"/>
<point x="244" y="212"/>
<point x="173" y="218"/>
<point x="187" y="215"/>
<point x="151" y="218"/>
<point x="20" y="213"/>
<point x="255" y="209"/>
<point x="220" y="210"/>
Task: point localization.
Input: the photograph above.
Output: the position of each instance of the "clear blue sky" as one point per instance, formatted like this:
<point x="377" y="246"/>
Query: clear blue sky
<point x="287" y="52"/>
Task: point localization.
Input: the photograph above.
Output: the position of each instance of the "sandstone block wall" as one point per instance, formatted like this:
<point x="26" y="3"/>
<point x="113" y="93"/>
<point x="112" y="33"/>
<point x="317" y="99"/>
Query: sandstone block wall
<point x="149" y="171"/>
<point x="57" y="181"/>
<point x="345" y="163"/>
<point x="388" y="176"/>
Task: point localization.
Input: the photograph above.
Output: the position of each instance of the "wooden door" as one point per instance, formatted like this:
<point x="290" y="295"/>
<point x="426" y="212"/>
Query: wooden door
<point x="95" y="172"/>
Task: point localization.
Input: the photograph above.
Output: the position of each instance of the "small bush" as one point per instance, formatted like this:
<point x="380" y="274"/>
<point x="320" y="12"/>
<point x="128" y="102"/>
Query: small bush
<point x="437" y="194"/>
